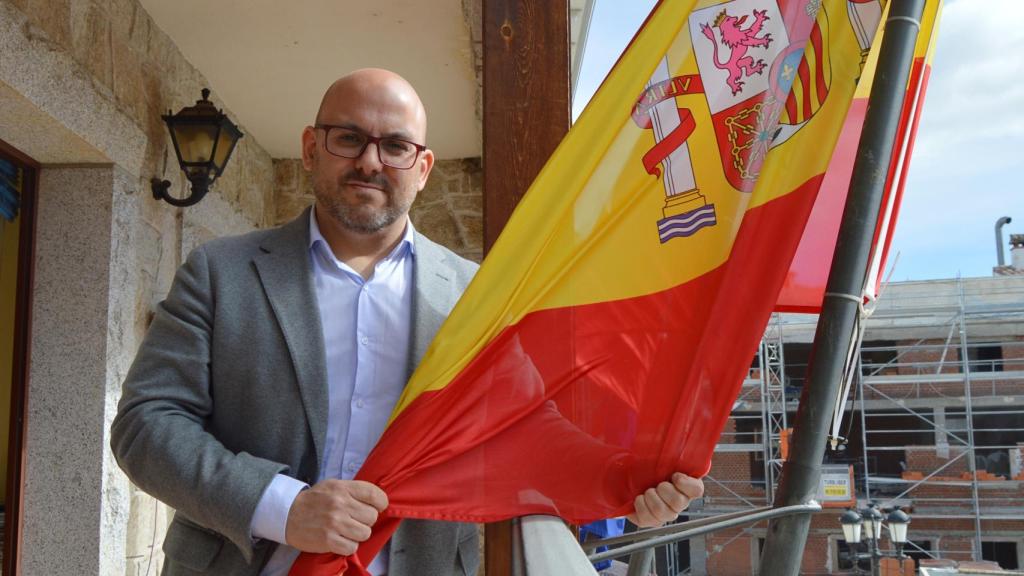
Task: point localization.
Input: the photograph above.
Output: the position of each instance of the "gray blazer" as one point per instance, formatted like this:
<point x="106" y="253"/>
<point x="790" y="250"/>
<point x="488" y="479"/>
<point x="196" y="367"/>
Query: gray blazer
<point x="229" y="388"/>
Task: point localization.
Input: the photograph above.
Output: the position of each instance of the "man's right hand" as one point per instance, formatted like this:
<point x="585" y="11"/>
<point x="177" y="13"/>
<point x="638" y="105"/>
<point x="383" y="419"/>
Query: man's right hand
<point x="334" y="516"/>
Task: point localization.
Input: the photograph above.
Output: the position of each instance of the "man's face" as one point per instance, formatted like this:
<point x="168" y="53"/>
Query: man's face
<point x="362" y="194"/>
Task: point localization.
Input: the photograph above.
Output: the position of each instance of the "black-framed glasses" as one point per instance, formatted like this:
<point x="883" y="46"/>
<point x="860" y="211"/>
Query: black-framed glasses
<point x="350" y="143"/>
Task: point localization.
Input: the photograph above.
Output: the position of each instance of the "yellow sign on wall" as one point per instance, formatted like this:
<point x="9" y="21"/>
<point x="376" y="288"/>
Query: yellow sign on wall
<point x="836" y="489"/>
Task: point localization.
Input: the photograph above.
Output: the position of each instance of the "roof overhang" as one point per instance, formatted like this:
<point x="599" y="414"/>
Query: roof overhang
<point x="269" y="62"/>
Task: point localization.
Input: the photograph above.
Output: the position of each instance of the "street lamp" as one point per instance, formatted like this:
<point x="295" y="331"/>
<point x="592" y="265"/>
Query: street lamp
<point x="898" y="523"/>
<point x="203" y="139"/>
<point x="872" y="522"/>
<point x="869" y="520"/>
<point x="851" y="522"/>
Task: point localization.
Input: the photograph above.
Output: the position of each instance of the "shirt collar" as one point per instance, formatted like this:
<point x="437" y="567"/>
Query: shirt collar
<point x="407" y="245"/>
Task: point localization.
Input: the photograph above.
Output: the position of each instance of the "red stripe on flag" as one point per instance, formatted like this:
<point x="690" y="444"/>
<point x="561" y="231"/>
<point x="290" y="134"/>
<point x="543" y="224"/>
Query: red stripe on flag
<point x="808" y="275"/>
<point x="805" y="286"/>
<point x="819" y="64"/>
<point x="791" y="108"/>
<point x="918" y="77"/>
<point x="806" y="88"/>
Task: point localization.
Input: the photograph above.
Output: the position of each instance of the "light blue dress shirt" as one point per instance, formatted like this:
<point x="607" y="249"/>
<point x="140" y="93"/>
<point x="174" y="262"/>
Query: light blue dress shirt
<point x="367" y="332"/>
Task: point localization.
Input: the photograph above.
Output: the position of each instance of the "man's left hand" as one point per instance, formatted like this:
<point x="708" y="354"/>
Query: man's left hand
<point x="664" y="502"/>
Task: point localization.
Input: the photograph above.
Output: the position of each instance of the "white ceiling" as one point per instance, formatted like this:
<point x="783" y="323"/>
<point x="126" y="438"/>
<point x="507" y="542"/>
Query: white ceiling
<point x="270" y="61"/>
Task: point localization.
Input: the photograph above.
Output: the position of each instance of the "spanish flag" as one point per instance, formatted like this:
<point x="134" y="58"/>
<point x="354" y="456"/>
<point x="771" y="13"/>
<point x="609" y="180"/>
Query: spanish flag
<point x="805" y="284"/>
<point x="603" y="342"/>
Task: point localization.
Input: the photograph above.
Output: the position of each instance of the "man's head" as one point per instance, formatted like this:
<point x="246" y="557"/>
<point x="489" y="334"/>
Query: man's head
<point x="363" y="194"/>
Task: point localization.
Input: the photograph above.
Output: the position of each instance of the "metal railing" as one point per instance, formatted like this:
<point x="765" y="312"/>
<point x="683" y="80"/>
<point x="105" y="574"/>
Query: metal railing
<point x="544" y="544"/>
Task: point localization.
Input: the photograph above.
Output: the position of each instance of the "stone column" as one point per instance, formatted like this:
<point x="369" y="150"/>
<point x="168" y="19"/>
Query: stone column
<point x="82" y="344"/>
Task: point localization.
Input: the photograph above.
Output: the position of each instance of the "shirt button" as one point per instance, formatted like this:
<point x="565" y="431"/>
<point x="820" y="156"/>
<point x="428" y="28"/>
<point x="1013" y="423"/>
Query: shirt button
<point x="359" y="403"/>
<point x="364" y="340"/>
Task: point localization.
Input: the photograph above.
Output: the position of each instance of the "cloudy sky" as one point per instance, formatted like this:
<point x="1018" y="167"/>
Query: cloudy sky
<point x="969" y="153"/>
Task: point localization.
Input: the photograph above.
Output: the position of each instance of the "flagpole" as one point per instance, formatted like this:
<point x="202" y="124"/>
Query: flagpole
<point x="801" y="473"/>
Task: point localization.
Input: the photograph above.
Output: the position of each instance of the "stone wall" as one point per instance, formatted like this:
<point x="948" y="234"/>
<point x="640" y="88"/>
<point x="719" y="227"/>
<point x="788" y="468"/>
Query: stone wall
<point x="99" y="73"/>
<point x="449" y="210"/>
<point x="75" y="498"/>
<point x="83" y="83"/>
<point x="115" y="47"/>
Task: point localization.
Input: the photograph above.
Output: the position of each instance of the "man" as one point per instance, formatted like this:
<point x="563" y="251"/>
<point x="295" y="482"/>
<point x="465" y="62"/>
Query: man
<point x="277" y="357"/>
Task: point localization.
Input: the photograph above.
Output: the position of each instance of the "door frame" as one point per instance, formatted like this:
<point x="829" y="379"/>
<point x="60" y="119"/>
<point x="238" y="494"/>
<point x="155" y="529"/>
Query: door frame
<point x="13" y="506"/>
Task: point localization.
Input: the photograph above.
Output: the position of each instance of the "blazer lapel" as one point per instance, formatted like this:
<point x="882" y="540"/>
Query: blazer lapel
<point x="419" y="547"/>
<point x="433" y="298"/>
<point x="286" y="272"/>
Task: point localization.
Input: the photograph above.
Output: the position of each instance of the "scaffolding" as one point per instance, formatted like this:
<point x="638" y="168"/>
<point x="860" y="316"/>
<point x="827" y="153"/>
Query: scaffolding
<point x="935" y="422"/>
<point x="773" y="394"/>
<point x="965" y="392"/>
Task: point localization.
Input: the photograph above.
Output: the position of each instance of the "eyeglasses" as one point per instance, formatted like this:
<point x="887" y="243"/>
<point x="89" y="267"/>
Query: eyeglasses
<point x="349" y="143"/>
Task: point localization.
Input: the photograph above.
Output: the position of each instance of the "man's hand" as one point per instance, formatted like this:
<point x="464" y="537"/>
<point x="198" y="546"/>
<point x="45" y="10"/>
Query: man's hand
<point x="665" y="501"/>
<point x="334" y="516"/>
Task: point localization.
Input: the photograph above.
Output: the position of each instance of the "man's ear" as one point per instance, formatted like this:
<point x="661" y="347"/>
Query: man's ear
<point x="424" y="165"/>
<point x="308" y="147"/>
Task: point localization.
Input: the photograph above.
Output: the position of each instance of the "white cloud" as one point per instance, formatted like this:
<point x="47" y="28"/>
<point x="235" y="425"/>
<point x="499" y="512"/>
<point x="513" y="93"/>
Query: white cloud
<point x="973" y="107"/>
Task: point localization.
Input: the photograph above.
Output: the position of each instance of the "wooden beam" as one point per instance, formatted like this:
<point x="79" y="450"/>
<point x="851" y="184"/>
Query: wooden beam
<point x="525" y="96"/>
<point x="525" y="115"/>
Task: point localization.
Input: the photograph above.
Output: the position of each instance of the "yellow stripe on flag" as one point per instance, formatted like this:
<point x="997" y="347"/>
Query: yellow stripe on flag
<point x="588" y="230"/>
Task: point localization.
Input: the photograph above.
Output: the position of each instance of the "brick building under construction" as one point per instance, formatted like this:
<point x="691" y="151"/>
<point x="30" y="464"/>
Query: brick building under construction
<point x="934" y="423"/>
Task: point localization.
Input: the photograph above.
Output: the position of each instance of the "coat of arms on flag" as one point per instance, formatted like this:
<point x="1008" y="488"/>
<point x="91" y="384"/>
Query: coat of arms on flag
<point x="763" y="69"/>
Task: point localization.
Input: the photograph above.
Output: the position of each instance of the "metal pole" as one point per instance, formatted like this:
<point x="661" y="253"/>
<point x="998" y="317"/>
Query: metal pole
<point x="875" y="544"/>
<point x="707" y="528"/>
<point x="999" y="239"/>
<point x="766" y="424"/>
<point x="864" y="439"/>
<point x="640" y="562"/>
<point x="744" y="517"/>
<point x="971" y="462"/>
<point x="787" y="537"/>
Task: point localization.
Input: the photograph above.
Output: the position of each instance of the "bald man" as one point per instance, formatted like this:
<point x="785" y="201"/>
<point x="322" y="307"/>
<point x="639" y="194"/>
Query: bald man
<point x="269" y="372"/>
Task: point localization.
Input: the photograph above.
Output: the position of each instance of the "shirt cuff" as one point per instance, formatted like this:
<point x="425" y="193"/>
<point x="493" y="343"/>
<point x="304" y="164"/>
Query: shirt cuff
<point x="270" y="519"/>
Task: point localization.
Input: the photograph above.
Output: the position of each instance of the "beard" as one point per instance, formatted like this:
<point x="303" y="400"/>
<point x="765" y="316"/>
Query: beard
<point x="360" y="216"/>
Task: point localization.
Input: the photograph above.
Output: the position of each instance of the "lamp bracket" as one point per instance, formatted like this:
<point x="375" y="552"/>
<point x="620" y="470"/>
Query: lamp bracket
<point x="161" y="192"/>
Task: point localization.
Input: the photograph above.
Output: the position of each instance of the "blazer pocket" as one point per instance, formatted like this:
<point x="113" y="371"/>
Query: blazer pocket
<point x="191" y="545"/>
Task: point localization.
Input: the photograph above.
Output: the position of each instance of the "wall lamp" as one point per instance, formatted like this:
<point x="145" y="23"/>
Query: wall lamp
<point x="203" y="140"/>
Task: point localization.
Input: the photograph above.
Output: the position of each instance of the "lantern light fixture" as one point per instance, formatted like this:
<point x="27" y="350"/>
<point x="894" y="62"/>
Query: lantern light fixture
<point x="868" y="523"/>
<point x="872" y="522"/>
<point x="203" y="139"/>
<point x="898" y="521"/>
<point x="851" y="522"/>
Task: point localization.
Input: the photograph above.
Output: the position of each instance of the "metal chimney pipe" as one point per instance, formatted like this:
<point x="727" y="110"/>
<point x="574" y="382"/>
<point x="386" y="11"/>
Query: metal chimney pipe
<point x="999" y="238"/>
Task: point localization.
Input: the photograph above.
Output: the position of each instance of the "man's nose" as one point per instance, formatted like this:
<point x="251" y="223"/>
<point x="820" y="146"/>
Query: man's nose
<point x="369" y="161"/>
